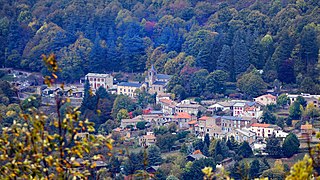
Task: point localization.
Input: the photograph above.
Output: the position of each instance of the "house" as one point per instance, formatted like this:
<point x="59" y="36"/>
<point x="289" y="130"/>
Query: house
<point x="238" y="108"/>
<point x="230" y="123"/>
<point x="308" y="97"/>
<point x="306" y="130"/>
<point x="182" y="119"/>
<point x="252" y="110"/>
<point x="128" y="88"/>
<point x="162" y="96"/>
<point x="209" y="125"/>
<point x="196" y="155"/>
<point x="156" y="82"/>
<point x="244" y="134"/>
<point x="131" y="122"/>
<point x="266" y="99"/>
<point x="168" y="106"/>
<point x="147" y="140"/>
<point x="221" y="106"/>
<point x="192" y="109"/>
<point x="96" y="80"/>
<point x="266" y="130"/>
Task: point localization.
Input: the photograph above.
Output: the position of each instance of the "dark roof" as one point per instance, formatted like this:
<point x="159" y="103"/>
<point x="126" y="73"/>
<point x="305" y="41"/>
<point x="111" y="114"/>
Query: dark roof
<point x="159" y="83"/>
<point x="232" y="118"/>
<point x="129" y="84"/>
<point x="163" y="76"/>
<point x="251" y="103"/>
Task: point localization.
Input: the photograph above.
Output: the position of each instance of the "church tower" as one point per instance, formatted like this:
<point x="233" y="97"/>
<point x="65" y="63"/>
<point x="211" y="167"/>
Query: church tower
<point x="152" y="75"/>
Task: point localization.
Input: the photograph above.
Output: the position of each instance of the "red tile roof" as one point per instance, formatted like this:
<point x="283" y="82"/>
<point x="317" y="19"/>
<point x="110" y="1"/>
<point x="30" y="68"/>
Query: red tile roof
<point x="204" y="118"/>
<point x="182" y="115"/>
<point x="260" y="125"/>
<point x="192" y="122"/>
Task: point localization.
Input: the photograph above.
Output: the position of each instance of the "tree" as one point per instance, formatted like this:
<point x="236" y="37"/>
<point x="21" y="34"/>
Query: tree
<point x="303" y="169"/>
<point x="88" y="101"/>
<point x="283" y="100"/>
<point x="141" y="125"/>
<point x="245" y="150"/>
<point x="224" y="62"/>
<point x="122" y="102"/>
<point x="273" y="147"/>
<point x="165" y="141"/>
<point x="301" y="101"/>
<point x="290" y="145"/>
<point x="254" y="170"/>
<point x="122" y="114"/>
<point x="133" y="163"/>
<point x="179" y="92"/>
<point x="309" y="86"/>
<point x="295" y="110"/>
<point x="215" y="81"/>
<point x="50" y="151"/>
<point x="207" y="139"/>
<point x="240" y="53"/>
<point x="311" y="112"/>
<point x="195" y="171"/>
<point x="251" y="84"/>
<point x="154" y="156"/>
<point x="268" y="117"/>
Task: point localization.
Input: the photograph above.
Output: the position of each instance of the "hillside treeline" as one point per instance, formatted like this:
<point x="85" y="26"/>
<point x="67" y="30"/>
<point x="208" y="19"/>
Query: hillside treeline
<point x="279" y="37"/>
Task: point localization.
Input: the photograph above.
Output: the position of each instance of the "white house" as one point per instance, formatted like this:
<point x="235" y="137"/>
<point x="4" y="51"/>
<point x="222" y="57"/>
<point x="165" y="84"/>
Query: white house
<point x="266" y="99"/>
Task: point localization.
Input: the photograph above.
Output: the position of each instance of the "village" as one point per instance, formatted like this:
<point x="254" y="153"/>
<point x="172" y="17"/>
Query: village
<point x="227" y="118"/>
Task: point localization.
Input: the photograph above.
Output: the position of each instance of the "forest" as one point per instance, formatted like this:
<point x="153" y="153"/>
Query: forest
<point x="185" y="38"/>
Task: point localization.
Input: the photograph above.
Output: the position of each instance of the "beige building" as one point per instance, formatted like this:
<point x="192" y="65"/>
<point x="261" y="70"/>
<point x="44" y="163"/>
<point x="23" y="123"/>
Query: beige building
<point x="192" y="109"/>
<point x="147" y="140"/>
<point x="315" y="99"/>
<point x="266" y="99"/>
<point x="209" y="125"/>
<point x="182" y="119"/>
<point x="266" y="130"/>
<point x="97" y="80"/>
<point x="128" y="88"/>
<point x="156" y="82"/>
<point x="243" y="134"/>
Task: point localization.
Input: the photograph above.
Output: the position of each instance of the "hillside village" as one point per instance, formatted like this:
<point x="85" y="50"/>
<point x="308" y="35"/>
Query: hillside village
<point x="226" y="119"/>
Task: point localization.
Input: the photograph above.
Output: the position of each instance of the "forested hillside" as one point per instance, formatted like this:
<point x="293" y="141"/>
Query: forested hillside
<point x="177" y="36"/>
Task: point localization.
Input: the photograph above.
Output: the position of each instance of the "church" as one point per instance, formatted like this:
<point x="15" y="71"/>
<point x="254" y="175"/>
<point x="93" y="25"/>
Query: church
<point x="156" y="83"/>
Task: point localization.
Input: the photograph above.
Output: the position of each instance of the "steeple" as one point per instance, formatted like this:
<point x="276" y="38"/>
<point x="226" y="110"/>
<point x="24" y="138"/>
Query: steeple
<point x="152" y="75"/>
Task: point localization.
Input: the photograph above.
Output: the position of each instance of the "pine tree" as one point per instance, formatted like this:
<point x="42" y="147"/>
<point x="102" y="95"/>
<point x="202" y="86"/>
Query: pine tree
<point x="224" y="62"/>
<point x="88" y="101"/>
<point x="240" y="54"/>
<point x="154" y="156"/>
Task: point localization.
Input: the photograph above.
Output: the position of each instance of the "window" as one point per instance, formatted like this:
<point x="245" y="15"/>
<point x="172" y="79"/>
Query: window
<point x="98" y="80"/>
<point x="90" y="79"/>
<point x="102" y="80"/>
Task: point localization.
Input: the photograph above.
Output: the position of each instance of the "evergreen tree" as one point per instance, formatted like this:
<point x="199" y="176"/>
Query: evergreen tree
<point x="240" y="54"/>
<point x="290" y="145"/>
<point x="245" y="150"/>
<point x="224" y="62"/>
<point x="273" y="147"/>
<point x="88" y="101"/>
<point x="154" y="156"/>
<point x="254" y="170"/>
<point x="207" y="139"/>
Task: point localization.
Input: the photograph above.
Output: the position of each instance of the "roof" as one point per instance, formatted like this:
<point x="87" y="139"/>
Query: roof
<point x="232" y="118"/>
<point x="260" y="125"/>
<point x="183" y="115"/>
<point x="241" y="104"/>
<point x="188" y="105"/>
<point x="204" y="118"/>
<point x="192" y="122"/>
<point x="98" y="75"/>
<point x="197" y="152"/>
<point x="306" y="126"/>
<point x="168" y="102"/>
<point x="163" y="76"/>
<point x="226" y="103"/>
<point x="130" y="84"/>
<point x="159" y="83"/>
<point x="197" y="156"/>
<point x="246" y="132"/>
<point x="270" y="96"/>
<point x="251" y="104"/>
